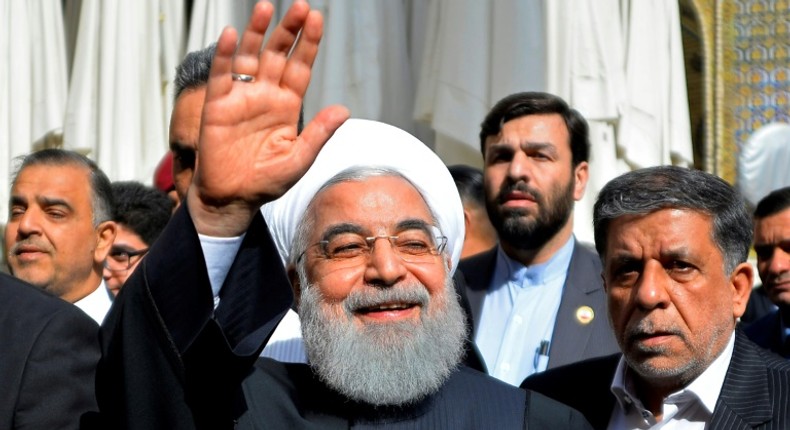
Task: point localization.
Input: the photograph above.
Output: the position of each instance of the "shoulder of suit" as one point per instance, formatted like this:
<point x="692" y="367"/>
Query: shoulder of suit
<point x="22" y="301"/>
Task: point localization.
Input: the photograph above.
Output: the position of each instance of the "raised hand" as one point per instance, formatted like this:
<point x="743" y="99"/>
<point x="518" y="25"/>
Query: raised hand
<point x="249" y="152"/>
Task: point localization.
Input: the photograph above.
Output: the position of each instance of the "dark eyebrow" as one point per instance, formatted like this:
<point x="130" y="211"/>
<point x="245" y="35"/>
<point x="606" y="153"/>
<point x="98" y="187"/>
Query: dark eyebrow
<point x="18" y="201"/>
<point x="676" y="254"/>
<point x="412" y="224"/>
<point x="342" y="228"/>
<point x="621" y="259"/>
<point x="539" y="146"/>
<point x="53" y="201"/>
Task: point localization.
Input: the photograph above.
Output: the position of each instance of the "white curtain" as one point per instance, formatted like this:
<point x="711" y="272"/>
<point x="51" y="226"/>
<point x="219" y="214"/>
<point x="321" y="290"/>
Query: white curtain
<point x="654" y="128"/>
<point x="764" y="161"/>
<point x="33" y="80"/>
<point x="119" y="92"/>
<point x="475" y="53"/>
<point x="432" y="67"/>
<point x="585" y="67"/>
<point x="620" y="63"/>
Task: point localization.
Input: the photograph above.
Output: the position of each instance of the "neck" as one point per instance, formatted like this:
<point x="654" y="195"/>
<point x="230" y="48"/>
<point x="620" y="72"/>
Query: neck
<point x="528" y="257"/>
<point x="84" y="289"/>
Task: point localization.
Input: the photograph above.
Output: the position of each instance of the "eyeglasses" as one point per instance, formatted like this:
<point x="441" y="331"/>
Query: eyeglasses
<point x="120" y="260"/>
<point x="350" y="249"/>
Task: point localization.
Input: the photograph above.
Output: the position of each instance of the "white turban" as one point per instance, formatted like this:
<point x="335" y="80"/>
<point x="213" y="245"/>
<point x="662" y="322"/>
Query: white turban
<point x="372" y="144"/>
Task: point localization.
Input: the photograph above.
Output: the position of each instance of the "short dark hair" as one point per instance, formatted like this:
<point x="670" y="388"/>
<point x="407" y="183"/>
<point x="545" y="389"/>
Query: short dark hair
<point x="669" y="187"/>
<point x="537" y="103"/>
<point x="102" y="202"/>
<point x="194" y="70"/>
<point x="773" y="203"/>
<point x="469" y="181"/>
<point x="144" y="210"/>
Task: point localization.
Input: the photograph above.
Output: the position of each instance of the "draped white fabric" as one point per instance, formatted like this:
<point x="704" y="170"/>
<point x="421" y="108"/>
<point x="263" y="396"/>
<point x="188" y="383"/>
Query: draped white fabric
<point x="432" y="67"/>
<point x="33" y="80"/>
<point x="119" y="94"/>
<point x="655" y="128"/>
<point x="620" y="63"/>
<point x="476" y="53"/>
<point x="763" y="162"/>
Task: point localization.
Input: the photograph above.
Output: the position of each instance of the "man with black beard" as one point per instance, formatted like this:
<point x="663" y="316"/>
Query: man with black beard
<point x="371" y="235"/>
<point x="536" y="299"/>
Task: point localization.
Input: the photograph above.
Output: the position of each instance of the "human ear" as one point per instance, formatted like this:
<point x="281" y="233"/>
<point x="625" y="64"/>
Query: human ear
<point x="105" y="236"/>
<point x="741" y="281"/>
<point x="296" y="284"/>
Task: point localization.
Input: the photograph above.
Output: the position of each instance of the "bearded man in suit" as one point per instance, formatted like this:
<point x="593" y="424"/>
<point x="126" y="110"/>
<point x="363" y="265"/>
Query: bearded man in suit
<point x="535" y="300"/>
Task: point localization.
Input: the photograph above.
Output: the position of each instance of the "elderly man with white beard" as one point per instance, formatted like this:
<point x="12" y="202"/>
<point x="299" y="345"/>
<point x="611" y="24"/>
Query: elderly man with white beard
<point x="180" y="345"/>
<point x="371" y="235"/>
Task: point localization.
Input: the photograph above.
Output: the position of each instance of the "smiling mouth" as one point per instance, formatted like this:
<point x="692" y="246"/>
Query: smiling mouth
<point x="389" y="311"/>
<point x="387" y="307"/>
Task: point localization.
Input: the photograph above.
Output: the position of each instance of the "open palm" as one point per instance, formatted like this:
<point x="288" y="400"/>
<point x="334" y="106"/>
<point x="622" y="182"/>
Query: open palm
<point x="249" y="151"/>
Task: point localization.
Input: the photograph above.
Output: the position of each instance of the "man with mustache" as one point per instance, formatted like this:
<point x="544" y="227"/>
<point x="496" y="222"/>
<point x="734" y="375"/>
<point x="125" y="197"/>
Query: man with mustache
<point x="772" y="245"/>
<point x="371" y="234"/>
<point x="60" y="228"/>
<point x="536" y="300"/>
<point x="674" y="244"/>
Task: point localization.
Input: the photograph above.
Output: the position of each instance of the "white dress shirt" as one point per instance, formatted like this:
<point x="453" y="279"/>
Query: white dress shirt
<point x="97" y="303"/>
<point x="517" y="320"/>
<point x="285" y="343"/>
<point x="690" y="408"/>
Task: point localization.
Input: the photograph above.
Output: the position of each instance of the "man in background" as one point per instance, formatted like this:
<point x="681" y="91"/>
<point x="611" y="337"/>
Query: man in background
<point x="674" y="244"/>
<point x="772" y="246"/>
<point x="141" y="213"/>
<point x="536" y="299"/>
<point x="480" y="234"/>
<point x="60" y="228"/>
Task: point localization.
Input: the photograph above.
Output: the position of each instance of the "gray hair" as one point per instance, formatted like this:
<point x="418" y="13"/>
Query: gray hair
<point x="194" y="70"/>
<point x="351" y="174"/>
<point x="668" y="187"/>
<point x="102" y="201"/>
<point x="193" y="73"/>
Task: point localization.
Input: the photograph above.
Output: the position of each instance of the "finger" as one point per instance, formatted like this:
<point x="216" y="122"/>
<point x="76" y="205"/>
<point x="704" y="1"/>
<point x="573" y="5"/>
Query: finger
<point x="219" y="80"/>
<point x="319" y="130"/>
<point x="246" y="59"/>
<point x="275" y="53"/>
<point x="297" y="71"/>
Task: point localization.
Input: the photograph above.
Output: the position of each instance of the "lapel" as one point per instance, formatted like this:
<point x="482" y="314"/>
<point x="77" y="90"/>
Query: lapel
<point x="570" y="338"/>
<point x="745" y="400"/>
<point x="478" y="270"/>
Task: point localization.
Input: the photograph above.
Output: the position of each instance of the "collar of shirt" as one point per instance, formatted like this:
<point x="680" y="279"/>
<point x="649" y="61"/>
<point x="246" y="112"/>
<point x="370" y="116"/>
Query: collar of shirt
<point x="515" y="273"/>
<point x="97" y="303"/>
<point x="705" y="388"/>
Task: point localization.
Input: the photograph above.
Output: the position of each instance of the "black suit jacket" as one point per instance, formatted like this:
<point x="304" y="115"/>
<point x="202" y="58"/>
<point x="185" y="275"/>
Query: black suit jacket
<point x="754" y="394"/>
<point x="169" y="361"/>
<point x="571" y="341"/>
<point x="48" y="354"/>
<point x="767" y="332"/>
<point x="290" y="396"/>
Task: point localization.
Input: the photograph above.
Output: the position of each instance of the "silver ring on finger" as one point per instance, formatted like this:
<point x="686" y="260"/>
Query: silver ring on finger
<point x="241" y="77"/>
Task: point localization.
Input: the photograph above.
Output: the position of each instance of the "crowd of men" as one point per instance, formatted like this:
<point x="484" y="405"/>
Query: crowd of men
<point x="409" y="295"/>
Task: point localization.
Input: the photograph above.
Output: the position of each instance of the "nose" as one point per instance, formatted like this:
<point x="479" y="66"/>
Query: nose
<point x="650" y="290"/>
<point x="28" y="223"/>
<point x="780" y="261"/>
<point x="385" y="267"/>
<point x="518" y="169"/>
